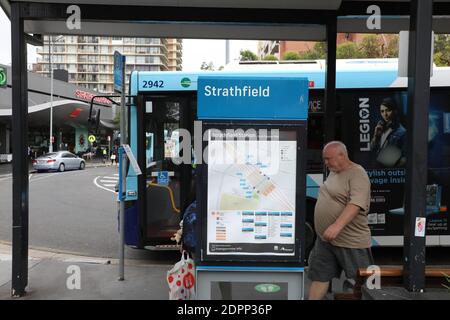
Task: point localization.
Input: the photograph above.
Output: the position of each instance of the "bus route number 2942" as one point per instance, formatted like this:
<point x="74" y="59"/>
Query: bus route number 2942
<point x="152" y="84"/>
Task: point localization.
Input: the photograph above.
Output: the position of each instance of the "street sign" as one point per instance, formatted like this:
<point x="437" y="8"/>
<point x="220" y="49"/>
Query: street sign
<point x="91" y="138"/>
<point x="252" y="98"/>
<point x="119" y="61"/>
<point x="3" y="77"/>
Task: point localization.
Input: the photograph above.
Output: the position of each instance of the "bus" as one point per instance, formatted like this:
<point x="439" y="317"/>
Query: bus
<point x="370" y="119"/>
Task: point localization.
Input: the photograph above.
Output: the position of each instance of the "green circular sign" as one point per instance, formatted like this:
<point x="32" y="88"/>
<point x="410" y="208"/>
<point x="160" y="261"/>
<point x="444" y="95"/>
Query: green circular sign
<point x="185" y="82"/>
<point x="91" y="138"/>
<point x="267" y="288"/>
<point x="2" y="77"/>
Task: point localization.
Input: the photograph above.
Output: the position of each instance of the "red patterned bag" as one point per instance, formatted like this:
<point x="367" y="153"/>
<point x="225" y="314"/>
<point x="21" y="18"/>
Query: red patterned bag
<point x="181" y="279"/>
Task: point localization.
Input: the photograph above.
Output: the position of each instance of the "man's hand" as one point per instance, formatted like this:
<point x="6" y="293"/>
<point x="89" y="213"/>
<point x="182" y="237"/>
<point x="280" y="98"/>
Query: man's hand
<point x="349" y="212"/>
<point x="332" y="232"/>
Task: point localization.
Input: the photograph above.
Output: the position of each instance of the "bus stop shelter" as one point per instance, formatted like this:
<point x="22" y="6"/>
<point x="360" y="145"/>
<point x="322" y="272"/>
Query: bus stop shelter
<point x="234" y="19"/>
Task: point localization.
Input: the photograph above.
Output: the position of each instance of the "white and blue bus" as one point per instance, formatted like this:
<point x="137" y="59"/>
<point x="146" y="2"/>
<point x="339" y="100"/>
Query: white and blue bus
<point x="366" y="91"/>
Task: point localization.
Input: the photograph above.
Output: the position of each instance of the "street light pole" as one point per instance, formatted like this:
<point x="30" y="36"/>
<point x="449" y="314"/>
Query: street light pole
<point x="50" y="142"/>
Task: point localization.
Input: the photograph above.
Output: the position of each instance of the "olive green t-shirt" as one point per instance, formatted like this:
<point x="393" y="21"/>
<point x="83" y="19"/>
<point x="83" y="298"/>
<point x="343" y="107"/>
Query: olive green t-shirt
<point x="349" y="186"/>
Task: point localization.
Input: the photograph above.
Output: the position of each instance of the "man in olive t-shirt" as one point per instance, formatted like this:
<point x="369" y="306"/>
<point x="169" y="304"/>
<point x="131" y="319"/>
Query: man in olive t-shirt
<point x="340" y="219"/>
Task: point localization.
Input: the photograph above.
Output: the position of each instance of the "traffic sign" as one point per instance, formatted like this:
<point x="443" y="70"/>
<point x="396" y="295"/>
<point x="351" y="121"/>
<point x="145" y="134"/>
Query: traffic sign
<point x="119" y="61"/>
<point x="91" y="138"/>
<point x="3" y="77"/>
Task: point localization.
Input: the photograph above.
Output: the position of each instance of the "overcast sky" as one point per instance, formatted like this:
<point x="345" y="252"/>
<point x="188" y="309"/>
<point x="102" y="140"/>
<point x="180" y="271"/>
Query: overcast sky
<point x="194" y="51"/>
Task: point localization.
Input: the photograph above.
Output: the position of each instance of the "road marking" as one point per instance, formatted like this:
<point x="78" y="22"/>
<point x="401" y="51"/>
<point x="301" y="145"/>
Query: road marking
<point x="101" y="187"/>
<point x="113" y="178"/>
<point x="109" y="185"/>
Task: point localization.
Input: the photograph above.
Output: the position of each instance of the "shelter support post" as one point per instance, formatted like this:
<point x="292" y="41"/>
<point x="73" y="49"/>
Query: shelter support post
<point x="20" y="154"/>
<point x="329" y="121"/>
<point x="330" y="82"/>
<point x="417" y="142"/>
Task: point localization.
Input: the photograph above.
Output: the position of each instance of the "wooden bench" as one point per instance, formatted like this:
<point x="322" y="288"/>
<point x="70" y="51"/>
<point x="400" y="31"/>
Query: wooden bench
<point x="393" y="276"/>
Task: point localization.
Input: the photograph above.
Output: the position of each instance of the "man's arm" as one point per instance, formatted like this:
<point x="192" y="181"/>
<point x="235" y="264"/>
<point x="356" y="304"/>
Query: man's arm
<point x="348" y="214"/>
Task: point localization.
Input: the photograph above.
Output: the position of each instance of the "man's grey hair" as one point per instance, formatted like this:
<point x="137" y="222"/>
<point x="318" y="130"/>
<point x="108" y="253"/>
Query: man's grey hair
<point x="337" y="144"/>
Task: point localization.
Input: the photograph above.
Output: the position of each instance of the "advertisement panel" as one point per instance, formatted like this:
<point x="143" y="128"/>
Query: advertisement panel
<point x="375" y="132"/>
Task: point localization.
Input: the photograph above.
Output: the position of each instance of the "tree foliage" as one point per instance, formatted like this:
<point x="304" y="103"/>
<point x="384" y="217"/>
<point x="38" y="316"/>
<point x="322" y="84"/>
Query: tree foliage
<point x="291" y="55"/>
<point x="441" y="55"/>
<point x="270" y="57"/>
<point x="207" y="66"/>
<point x="370" y="46"/>
<point x="391" y="50"/>
<point x="319" y="51"/>
<point x="247" y="55"/>
<point x="347" y="50"/>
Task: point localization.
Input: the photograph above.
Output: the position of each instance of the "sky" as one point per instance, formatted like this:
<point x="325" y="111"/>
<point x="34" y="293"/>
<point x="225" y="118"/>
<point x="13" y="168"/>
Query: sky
<point x="194" y="51"/>
<point x="5" y="40"/>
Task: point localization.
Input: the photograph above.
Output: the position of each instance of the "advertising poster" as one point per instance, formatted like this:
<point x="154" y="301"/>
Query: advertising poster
<point x="376" y="139"/>
<point x="251" y="192"/>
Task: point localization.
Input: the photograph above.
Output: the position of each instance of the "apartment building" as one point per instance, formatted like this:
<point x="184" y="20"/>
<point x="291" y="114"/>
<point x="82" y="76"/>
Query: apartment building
<point x="89" y="60"/>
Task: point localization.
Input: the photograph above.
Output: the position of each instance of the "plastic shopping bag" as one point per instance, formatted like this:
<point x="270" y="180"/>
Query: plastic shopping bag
<point x="181" y="279"/>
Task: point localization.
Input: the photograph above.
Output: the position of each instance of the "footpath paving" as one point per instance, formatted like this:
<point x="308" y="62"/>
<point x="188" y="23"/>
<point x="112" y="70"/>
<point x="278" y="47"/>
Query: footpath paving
<point x="53" y="276"/>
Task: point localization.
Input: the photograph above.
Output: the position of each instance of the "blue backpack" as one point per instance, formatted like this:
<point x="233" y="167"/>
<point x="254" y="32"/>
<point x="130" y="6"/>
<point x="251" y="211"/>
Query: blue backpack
<point x="189" y="238"/>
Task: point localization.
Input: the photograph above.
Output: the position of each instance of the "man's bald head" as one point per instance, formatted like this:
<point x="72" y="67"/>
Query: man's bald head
<point x="338" y="146"/>
<point x="335" y="156"/>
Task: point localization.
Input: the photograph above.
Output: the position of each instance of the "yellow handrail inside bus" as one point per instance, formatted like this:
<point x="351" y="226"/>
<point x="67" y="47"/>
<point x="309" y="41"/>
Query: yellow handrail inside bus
<point x="172" y="200"/>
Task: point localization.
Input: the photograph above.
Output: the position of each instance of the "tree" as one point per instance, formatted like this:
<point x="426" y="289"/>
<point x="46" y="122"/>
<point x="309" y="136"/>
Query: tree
<point x="319" y="51"/>
<point x="347" y="50"/>
<point x="270" y="57"/>
<point x="247" y="55"/>
<point x="370" y="47"/>
<point x="441" y="55"/>
<point x="291" y="55"/>
<point x="207" y="66"/>
<point x="392" y="48"/>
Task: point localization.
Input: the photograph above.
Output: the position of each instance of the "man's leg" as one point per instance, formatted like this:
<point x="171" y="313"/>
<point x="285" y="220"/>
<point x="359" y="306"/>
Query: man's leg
<point x="323" y="267"/>
<point x="318" y="290"/>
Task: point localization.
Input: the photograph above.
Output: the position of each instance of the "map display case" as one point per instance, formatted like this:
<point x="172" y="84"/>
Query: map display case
<point x="251" y="188"/>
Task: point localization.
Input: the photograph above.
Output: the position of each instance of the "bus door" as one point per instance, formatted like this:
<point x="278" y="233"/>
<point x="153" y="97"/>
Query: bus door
<point x="167" y="185"/>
